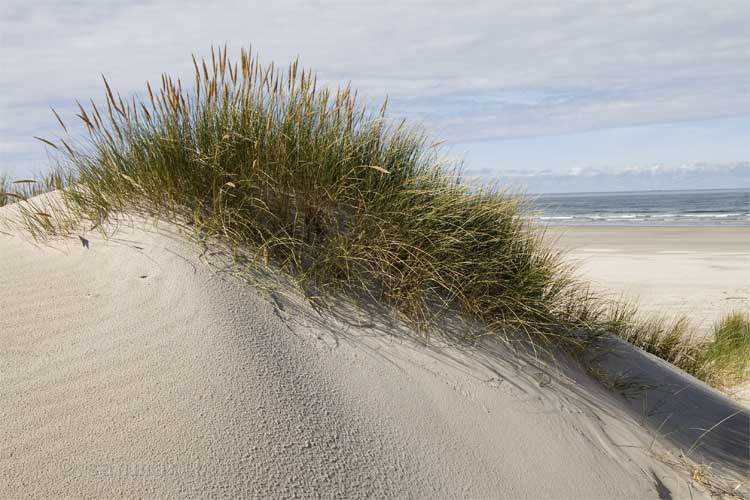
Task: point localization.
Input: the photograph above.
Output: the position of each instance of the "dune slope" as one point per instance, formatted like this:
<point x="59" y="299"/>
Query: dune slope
<point x="130" y="369"/>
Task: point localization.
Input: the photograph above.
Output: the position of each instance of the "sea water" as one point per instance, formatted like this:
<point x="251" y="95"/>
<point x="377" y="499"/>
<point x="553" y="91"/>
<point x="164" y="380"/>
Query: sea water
<point x="730" y="207"/>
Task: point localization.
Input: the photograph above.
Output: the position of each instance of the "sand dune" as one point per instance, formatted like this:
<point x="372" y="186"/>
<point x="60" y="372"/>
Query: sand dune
<point x="131" y="369"/>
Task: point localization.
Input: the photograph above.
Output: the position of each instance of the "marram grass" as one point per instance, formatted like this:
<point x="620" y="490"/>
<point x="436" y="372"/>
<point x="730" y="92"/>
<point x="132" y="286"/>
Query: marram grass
<point x="12" y="191"/>
<point x="725" y="360"/>
<point x="334" y="194"/>
<point x="720" y="358"/>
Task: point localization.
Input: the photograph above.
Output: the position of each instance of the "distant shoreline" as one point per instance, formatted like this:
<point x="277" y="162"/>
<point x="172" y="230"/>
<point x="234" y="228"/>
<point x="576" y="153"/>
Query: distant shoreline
<point x="654" y="225"/>
<point x="639" y="191"/>
<point x="645" y="208"/>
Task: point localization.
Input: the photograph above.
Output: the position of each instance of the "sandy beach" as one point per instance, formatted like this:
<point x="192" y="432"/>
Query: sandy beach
<point x="130" y="368"/>
<point x="701" y="272"/>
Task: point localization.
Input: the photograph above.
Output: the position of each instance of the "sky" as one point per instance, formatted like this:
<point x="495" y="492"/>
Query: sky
<point x="546" y="96"/>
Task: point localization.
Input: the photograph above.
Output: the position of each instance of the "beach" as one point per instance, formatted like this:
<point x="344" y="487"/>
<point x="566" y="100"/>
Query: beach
<point x="248" y="278"/>
<point x="131" y="368"/>
<point x="702" y="272"/>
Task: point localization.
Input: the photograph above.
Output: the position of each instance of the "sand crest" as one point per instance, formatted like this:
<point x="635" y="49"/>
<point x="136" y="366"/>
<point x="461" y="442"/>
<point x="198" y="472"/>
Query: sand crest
<point x="131" y="369"/>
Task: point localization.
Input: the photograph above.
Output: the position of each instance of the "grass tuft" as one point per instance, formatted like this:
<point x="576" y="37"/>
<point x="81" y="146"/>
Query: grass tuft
<point x="332" y="193"/>
<point x="12" y="191"/>
<point x="725" y="360"/>
<point x="340" y="198"/>
<point x="721" y="359"/>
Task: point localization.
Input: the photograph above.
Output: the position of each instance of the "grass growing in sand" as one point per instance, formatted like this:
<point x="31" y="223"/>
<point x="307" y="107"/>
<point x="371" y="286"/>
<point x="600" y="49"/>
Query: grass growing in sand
<point x="12" y="191"/>
<point x="725" y="360"/>
<point x="335" y="195"/>
<point x="330" y="192"/>
<point x="721" y="359"/>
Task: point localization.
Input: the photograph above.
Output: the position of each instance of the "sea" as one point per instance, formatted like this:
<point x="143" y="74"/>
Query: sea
<point x="718" y="207"/>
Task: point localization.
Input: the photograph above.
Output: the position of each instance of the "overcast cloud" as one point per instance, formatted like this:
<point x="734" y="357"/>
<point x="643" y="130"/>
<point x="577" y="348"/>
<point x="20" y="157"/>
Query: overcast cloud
<point x="488" y="76"/>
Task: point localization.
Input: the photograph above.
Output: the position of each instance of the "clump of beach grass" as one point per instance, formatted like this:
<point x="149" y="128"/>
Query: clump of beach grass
<point x="725" y="359"/>
<point x="336" y="196"/>
<point x="721" y="358"/>
<point x="673" y="340"/>
<point x="41" y="218"/>
<point x="5" y="189"/>
<point x="12" y="191"/>
<point x="327" y="190"/>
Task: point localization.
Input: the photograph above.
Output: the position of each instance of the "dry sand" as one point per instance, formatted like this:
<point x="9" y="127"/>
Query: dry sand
<point x="130" y="369"/>
<point x="703" y="272"/>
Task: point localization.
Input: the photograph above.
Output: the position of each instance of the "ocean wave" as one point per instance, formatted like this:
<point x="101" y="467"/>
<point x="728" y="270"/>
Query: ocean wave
<point x="712" y="215"/>
<point x="666" y="208"/>
<point x="736" y="218"/>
